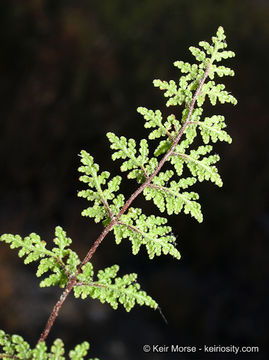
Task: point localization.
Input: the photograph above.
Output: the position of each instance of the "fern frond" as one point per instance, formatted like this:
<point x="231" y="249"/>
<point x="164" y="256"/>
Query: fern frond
<point x="31" y="246"/>
<point x="190" y="134"/>
<point x="15" y="347"/>
<point x="201" y="168"/>
<point x="219" y="43"/>
<point x="212" y="129"/>
<point x="181" y="149"/>
<point x="137" y="165"/>
<point x="153" y="119"/>
<point x="57" y="350"/>
<point x="111" y="289"/>
<point x="184" y="92"/>
<point x="215" y="92"/>
<point x="100" y="208"/>
<point x="40" y="352"/>
<point x="80" y="351"/>
<point x="175" y="138"/>
<point x="170" y="198"/>
<point x="163" y="147"/>
<point x="61" y="261"/>
<point x="150" y="231"/>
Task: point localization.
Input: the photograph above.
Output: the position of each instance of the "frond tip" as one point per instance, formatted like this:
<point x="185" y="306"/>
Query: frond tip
<point x="61" y="260"/>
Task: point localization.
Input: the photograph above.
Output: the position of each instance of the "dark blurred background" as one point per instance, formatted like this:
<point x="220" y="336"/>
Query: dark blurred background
<point x="70" y="71"/>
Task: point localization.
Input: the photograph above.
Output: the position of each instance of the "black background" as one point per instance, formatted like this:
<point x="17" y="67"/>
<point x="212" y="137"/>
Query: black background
<point x="70" y="71"/>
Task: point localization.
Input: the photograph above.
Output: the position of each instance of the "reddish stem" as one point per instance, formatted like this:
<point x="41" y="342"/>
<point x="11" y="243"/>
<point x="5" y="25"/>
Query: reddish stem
<point x="57" y="308"/>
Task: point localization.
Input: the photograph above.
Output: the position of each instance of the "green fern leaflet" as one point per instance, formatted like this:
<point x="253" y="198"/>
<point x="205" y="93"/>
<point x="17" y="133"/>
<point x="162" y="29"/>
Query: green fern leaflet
<point x="111" y="289"/>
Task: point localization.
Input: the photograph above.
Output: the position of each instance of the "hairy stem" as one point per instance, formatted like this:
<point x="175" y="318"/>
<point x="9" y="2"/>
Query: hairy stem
<point x="57" y="308"/>
<point x="115" y="220"/>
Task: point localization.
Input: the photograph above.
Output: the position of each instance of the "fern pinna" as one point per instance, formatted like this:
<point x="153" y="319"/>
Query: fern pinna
<point x="168" y="190"/>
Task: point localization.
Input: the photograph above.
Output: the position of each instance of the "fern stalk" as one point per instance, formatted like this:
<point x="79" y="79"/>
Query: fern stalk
<point x="72" y="282"/>
<point x="66" y="270"/>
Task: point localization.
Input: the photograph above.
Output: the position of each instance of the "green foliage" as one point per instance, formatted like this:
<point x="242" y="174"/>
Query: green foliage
<point x="150" y="231"/>
<point x="170" y="198"/>
<point x="31" y="246"/>
<point x="80" y="351"/>
<point x="177" y="143"/>
<point x="154" y="120"/>
<point x="191" y="92"/>
<point x="100" y="208"/>
<point x="215" y="92"/>
<point x="15" y="347"/>
<point x="191" y="88"/>
<point x="212" y="129"/>
<point x="140" y="165"/>
<point x="111" y="289"/>
<point x="200" y="168"/>
<point x="61" y="260"/>
<point x="183" y="93"/>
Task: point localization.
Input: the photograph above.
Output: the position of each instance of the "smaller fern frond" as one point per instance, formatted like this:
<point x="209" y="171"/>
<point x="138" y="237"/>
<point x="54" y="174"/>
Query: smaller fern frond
<point x="31" y="246"/>
<point x="139" y="166"/>
<point x="63" y="264"/>
<point x="100" y="209"/>
<point x="61" y="260"/>
<point x="15" y="347"/>
<point x="111" y="289"/>
<point x="150" y="231"/>
<point x="163" y="147"/>
<point x="80" y="352"/>
<point x="201" y="168"/>
<point x="215" y="92"/>
<point x="212" y="129"/>
<point x="170" y="198"/>
<point x="170" y="128"/>
<point x="57" y="350"/>
<point x="181" y="94"/>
